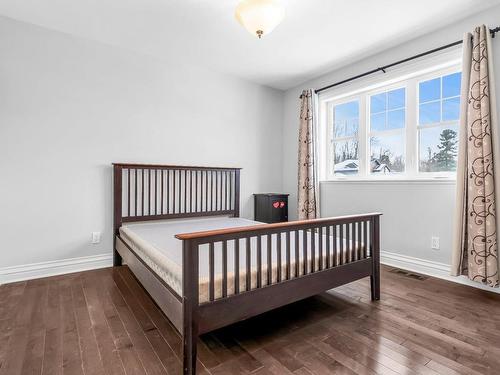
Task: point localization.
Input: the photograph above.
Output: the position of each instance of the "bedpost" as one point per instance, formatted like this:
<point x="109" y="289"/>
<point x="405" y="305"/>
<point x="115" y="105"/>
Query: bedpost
<point x="190" y="302"/>
<point x="237" y="193"/>
<point x="375" y="277"/>
<point x="117" y="211"/>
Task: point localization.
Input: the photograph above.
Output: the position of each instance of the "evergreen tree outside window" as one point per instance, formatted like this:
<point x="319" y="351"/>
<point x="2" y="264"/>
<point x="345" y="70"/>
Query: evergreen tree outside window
<point x="438" y="115"/>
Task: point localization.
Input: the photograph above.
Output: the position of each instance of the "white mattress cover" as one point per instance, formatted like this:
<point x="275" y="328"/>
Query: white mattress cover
<point x="156" y="244"/>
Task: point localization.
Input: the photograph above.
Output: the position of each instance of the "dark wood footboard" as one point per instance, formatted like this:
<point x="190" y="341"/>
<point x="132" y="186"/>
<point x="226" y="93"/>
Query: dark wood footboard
<point x="342" y="250"/>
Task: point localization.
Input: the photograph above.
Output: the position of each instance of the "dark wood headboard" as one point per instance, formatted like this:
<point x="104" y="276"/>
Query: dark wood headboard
<point x="156" y="192"/>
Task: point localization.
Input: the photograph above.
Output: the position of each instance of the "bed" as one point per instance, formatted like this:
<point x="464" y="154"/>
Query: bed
<point x="178" y="230"/>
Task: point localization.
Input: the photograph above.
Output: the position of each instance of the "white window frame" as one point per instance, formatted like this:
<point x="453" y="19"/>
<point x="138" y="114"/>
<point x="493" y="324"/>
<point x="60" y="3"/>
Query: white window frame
<point x="409" y="77"/>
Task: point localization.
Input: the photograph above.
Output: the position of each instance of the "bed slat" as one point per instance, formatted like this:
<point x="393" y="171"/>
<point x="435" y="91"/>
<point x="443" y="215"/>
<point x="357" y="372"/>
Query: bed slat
<point x="297" y="254"/>
<point x="211" y="263"/>
<point x="224" y="269"/>
<point x="269" y="260"/>
<point x="327" y="250"/>
<point x="287" y="250"/>
<point x="248" y="263"/>
<point x="259" y="261"/>
<point x="304" y="250"/>
<point x="236" y="266"/>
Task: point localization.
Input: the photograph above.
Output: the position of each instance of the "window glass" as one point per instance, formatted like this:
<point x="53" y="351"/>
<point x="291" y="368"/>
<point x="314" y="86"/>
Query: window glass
<point x="346" y="159"/>
<point x="396" y="119"/>
<point x="387" y="140"/>
<point x="377" y="121"/>
<point x="451" y="109"/>
<point x="429" y="113"/>
<point x="378" y="103"/>
<point x="438" y="149"/>
<point x="396" y="99"/>
<point x="429" y="90"/>
<point x="345" y="142"/>
<point x="451" y="85"/>
<point x="438" y="138"/>
<point x="387" y="154"/>
<point x="346" y="119"/>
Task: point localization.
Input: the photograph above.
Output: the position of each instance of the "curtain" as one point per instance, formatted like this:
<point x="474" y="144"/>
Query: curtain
<point x="308" y="203"/>
<point x="475" y="248"/>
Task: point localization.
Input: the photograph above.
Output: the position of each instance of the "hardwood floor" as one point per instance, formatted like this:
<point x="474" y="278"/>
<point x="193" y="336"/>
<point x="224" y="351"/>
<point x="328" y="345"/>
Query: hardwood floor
<point x="102" y="322"/>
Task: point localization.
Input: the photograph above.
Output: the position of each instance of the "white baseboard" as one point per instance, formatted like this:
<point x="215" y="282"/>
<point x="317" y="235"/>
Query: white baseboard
<point x="59" y="267"/>
<point x="53" y="268"/>
<point x="430" y="268"/>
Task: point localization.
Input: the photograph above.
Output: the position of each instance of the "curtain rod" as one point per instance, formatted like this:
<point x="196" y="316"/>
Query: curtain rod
<point x="383" y="68"/>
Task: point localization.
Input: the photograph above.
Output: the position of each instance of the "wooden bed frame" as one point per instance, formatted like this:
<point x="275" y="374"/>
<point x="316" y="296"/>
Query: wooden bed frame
<point x="158" y="192"/>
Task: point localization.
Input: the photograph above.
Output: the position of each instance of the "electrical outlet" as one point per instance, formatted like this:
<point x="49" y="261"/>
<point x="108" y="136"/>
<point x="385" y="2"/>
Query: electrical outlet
<point x="96" y="237"/>
<point x="435" y="243"/>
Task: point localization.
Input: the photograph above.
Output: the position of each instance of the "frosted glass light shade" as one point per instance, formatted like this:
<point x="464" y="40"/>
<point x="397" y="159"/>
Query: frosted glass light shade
<point x="259" y="17"/>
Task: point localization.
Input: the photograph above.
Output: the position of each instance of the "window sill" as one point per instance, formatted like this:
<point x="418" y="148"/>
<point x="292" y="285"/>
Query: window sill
<point x="427" y="181"/>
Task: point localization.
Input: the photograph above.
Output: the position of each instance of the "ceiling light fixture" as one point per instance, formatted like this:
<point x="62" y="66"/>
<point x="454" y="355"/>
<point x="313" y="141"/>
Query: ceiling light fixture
<point x="260" y="17"/>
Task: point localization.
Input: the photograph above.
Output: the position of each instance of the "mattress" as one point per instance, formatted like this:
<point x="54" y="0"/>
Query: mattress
<point x="156" y="245"/>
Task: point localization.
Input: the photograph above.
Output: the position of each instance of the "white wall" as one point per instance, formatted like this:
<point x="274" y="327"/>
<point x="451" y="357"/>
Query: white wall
<point x="413" y="212"/>
<point x="70" y="107"/>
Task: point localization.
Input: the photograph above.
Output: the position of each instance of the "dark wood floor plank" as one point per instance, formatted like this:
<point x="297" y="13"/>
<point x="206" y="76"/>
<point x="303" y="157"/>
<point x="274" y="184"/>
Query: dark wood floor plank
<point x="143" y="310"/>
<point x="91" y="359"/>
<point x="36" y="341"/>
<point x="12" y="295"/>
<point x="150" y="360"/>
<point x="103" y="322"/>
<point x="396" y="357"/>
<point x="123" y="343"/>
<point x="152" y="311"/>
<point x="107" y="349"/>
<point x="16" y="348"/>
<point x="72" y="360"/>
<point x="53" y="346"/>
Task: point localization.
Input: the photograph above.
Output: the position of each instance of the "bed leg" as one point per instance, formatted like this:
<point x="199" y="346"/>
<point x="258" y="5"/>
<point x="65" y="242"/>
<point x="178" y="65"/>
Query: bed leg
<point x="375" y="287"/>
<point x="190" y="303"/>
<point x="375" y="277"/>
<point x="189" y="339"/>
<point x="117" y="259"/>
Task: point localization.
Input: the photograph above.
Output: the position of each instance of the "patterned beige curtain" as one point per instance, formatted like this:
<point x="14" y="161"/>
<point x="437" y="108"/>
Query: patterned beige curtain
<point x="308" y="204"/>
<point x="475" y="252"/>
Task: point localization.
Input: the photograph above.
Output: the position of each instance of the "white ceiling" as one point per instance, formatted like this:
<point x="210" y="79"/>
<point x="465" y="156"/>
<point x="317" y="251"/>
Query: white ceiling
<point x="316" y="35"/>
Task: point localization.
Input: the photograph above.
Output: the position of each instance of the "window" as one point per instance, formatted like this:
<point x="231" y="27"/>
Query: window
<point x="438" y="115"/>
<point x="345" y="138"/>
<point x="403" y="128"/>
<point x="387" y="131"/>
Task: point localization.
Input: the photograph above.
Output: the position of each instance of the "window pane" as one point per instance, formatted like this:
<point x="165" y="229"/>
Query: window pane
<point x="451" y="85"/>
<point x="438" y="148"/>
<point x="451" y="109"/>
<point x="387" y="154"/>
<point x="346" y="118"/>
<point x="429" y="90"/>
<point x="396" y="119"/>
<point x="396" y="99"/>
<point x="429" y="113"/>
<point x="378" y="103"/>
<point x="345" y="157"/>
<point x="377" y="122"/>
